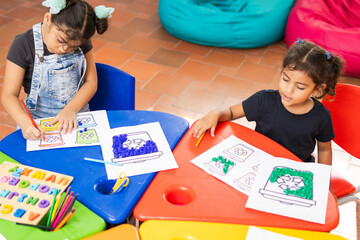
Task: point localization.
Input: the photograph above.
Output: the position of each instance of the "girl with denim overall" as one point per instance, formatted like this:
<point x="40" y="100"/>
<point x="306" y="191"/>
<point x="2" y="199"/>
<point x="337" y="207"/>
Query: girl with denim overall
<point x="63" y="81"/>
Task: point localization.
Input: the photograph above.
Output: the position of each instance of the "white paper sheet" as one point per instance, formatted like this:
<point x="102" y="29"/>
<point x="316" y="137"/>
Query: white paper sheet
<point x="255" y="233"/>
<point x="136" y="136"/>
<point x="270" y="194"/>
<point x="246" y="163"/>
<point x="95" y="122"/>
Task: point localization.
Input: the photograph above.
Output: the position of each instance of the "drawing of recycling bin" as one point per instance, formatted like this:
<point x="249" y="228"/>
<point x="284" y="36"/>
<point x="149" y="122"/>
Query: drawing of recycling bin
<point x="51" y="140"/>
<point x="290" y="186"/>
<point x="238" y="152"/>
<point x="134" y="148"/>
<point x="86" y="137"/>
<point x="86" y="121"/>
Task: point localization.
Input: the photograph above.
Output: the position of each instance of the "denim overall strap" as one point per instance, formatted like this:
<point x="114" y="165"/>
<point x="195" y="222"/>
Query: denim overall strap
<point x="56" y="79"/>
<point x="39" y="54"/>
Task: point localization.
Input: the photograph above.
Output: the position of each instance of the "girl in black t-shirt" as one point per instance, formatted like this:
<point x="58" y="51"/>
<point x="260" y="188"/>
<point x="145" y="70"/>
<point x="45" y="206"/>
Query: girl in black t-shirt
<point x="292" y="115"/>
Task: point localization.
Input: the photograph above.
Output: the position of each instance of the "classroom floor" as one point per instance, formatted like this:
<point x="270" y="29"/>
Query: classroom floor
<point x="172" y="75"/>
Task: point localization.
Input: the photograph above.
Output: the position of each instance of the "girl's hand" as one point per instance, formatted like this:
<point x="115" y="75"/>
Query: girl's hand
<point x="67" y="121"/>
<point x="209" y="121"/>
<point x="30" y="132"/>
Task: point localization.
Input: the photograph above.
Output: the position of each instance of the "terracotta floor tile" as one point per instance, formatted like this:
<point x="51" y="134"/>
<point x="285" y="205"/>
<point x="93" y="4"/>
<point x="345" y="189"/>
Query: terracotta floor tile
<point x="145" y="100"/>
<point x="5" y="130"/>
<point x="200" y="101"/>
<point x="230" y="86"/>
<point x="120" y="17"/>
<point x="141" y="70"/>
<point x="273" y="58"/>
<point x="174" y="110"/>
<point x="117" y="34"/>
<point x="25" y="13"/>
<point x="223" y="58"/>
<point x="111" y="56"/>
<point x="168" y="84"/>
<point x="141" y="45"/>
<point x="163" y="35"/>
<point x="193" y="48"/>
<point x="98" y="43"/>
<point x="255" y="72"/>
<point x="9" y="31"/>
<point x="168" y="57"/>
<point x="5" y="20"/>
<point x="145" y="8"/>
<point x="167" y="100"/>
<point x="142" y="25"/>
<point x="198" y="71"/>
<point x="7" y="5"/>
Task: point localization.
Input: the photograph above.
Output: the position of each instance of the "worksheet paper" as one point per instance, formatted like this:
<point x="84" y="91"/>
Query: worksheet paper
<point x="136" y="138"/>
<point x="91" y="130"/>
<point x="292" y="189"/>
<point x="255" y="233"/>
<point x="242" y="159"/>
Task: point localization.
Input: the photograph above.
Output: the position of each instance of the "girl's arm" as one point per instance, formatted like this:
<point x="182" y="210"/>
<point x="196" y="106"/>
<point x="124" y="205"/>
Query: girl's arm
<point x="67" y="116"/>
<point x="14" y="76"/>
<point x="325" y="153"/>
<point x="210" y="120"/>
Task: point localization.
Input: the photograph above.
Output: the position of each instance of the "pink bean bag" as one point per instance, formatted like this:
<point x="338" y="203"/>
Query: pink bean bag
<point x="332" y="24"/>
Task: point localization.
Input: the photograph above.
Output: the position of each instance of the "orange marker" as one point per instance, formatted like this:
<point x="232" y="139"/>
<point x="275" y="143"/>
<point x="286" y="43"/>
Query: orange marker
<point x="28" y="113"/>
<point x="200" y="138"/>
<point x="66" y="218"/>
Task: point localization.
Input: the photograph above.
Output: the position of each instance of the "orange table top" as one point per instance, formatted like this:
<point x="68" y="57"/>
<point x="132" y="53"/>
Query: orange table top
<point x="189" y="193"/>
<point x="123" y="231"/>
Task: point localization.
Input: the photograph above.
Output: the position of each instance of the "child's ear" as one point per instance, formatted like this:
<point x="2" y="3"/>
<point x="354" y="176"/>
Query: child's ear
<point x="47" y="18"/>
<point x="319" y="90"/>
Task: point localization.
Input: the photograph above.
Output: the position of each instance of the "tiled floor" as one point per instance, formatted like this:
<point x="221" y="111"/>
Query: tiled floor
<point x="172" y="75"/>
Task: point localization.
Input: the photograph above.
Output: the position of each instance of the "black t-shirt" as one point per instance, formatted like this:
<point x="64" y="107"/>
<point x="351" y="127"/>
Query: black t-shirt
<point x="296" y="132"/>
<point x="22" y="53"/>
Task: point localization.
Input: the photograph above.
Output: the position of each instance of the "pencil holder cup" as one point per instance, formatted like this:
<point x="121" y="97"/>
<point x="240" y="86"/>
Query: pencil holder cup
<point x="179" y="194"/>
<point x="104" y="185"/>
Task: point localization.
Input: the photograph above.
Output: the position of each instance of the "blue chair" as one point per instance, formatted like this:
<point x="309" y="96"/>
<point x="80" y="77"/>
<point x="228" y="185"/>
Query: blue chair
<point x="116" y="89"/>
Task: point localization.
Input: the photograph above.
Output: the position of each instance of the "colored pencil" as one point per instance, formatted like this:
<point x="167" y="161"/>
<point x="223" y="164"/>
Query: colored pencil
<point x="57" y="202"/>
<point x="56" y="221"/>
<point x="68" y="216"/>
<point x="101" y="161"/>
<point x="200" y="138"/>
<point x="52" y="207"/>
<point x="36" y="226"/>
<point x="61" y="205"/>
<point x="68" y="209"/>
<point x="28" y="113"/>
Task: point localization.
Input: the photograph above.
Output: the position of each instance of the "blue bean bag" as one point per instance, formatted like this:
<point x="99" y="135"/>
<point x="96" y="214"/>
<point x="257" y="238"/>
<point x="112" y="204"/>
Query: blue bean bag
<point x="226" y="23"/>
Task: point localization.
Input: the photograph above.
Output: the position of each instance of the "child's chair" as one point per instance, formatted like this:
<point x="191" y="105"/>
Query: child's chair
<point x="345" y="112"/>
<point x="116" y="89"/>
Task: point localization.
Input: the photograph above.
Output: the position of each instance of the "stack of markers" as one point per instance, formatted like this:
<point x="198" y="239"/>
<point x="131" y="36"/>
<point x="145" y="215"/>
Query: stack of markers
<point x="61" y="210"/>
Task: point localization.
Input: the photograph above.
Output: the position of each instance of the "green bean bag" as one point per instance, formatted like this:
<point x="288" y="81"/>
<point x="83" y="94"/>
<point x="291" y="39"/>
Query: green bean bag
<point x="226" y="23"/>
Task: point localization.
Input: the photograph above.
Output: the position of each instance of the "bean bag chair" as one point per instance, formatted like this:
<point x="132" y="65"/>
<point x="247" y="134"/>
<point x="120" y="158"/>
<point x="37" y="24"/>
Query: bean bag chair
<point x="226" y="23"/>
<point x="332" y="24"/>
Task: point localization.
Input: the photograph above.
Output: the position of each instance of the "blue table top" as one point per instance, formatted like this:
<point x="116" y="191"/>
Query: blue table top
<point x="114" y="209"/>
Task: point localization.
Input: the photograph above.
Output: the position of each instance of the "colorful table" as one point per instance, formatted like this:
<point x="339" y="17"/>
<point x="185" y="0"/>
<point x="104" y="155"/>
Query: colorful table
<point x="89" y="176"/>
<point x="82" y="224"/>
<point x="123" y="231"/>
<point x="164" y="230"/>
<point x="189" y="193"/>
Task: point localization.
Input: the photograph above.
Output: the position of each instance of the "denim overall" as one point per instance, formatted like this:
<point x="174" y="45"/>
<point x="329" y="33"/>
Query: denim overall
<point x="55" y="81"/>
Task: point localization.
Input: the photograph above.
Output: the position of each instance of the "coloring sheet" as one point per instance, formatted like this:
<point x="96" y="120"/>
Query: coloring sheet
<point x="27" y="193"/>
<point x="293" y="189"/>
<point x="234" y="162"/>
<point x="140" y="149"/>
<point x="91" y="130"/>
<point x="255" y="233"/>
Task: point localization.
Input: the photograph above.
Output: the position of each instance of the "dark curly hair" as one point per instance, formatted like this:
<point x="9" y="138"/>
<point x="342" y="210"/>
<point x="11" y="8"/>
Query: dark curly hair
<point x="78" y="21"/>
<point x="321" y="66"/>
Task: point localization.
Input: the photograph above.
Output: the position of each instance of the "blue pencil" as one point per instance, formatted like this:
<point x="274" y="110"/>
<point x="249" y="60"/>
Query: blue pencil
<point x="102" y="161"/>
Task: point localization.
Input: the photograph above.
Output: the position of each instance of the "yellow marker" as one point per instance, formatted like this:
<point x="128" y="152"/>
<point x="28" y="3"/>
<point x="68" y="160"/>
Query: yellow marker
<point x="55" y="208"/>
<point x="200" y="138"/>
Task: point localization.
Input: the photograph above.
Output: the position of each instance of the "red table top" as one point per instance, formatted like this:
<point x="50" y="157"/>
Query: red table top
<point x="189" y="193"/>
